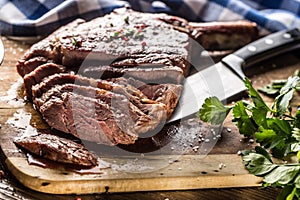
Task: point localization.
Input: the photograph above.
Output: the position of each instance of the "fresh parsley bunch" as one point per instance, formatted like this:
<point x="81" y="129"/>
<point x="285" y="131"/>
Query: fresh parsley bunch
<point x="276" y="129"/>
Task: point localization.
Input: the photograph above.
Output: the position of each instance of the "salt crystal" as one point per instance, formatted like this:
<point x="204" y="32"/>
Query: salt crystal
<point x="221" y="165"/>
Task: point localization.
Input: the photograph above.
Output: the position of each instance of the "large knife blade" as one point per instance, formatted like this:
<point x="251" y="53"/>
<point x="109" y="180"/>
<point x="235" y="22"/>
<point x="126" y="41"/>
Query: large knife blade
<point x="225" y="79"/>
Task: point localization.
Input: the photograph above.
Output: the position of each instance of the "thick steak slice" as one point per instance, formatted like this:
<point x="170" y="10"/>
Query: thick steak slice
<point x="168" y="94"/>
<point x="38" y="74"/>
<point x="132" y="93"/>
<point x="57" y="149"/>
<point x="144" y="117"/>
<point x="88" y="119"/>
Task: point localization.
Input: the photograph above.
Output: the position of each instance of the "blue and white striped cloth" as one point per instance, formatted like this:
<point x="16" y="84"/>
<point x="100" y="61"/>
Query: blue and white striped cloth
<point x="40" y="17"/>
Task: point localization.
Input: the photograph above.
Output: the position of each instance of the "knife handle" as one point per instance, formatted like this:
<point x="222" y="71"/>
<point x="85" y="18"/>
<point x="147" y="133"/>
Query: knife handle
<point x="262" y="49"/>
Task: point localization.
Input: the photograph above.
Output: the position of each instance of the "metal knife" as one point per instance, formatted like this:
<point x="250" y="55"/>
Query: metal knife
<point x="225" y="78"/>
<point x="1" y="52"/>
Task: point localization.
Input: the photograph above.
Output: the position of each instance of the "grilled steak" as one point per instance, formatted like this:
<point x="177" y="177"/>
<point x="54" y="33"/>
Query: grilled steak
<point x="57" y="149"/>
<point x="113" y="78"/>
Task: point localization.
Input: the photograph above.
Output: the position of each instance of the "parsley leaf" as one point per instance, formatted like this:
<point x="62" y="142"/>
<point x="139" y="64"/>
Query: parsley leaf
<point x="283" y="174"/>
<point x="243" y="121"/>
<point x="257" y="164"/>
<point x="282" y="101"/>
<point x="213" y="111"/>
<point x="267" y="138"/>
<point x="296" y="122"/>
<point x="276" y="85"/>
<point x="256" y="98"/>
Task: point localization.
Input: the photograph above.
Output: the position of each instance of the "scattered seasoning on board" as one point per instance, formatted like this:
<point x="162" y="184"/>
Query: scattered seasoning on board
<point x="126" y="20"/>
<point x="76" y="42"/>
<point x="144" y="44"/>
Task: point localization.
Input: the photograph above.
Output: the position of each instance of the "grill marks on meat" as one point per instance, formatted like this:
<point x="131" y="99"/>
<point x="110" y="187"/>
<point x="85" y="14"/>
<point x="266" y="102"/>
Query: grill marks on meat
<point x="57" y="149"/>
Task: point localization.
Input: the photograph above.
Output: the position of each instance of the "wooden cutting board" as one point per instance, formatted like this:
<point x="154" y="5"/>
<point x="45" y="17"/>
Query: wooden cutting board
<point x="221" y="167"/>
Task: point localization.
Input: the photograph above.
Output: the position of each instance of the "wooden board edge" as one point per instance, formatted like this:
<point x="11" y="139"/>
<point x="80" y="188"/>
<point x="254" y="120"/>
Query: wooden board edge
<point x="97" y="185"/>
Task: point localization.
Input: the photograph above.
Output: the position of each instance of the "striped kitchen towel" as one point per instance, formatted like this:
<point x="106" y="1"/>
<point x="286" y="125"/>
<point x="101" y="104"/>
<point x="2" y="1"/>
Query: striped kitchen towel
<point x="41" y="17"/>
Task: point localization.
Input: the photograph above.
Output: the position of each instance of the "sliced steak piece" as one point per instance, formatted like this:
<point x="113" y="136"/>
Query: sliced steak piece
<point x="26" y="66"/>
<point x="168" y="94"/>
<point x="88" y="119"/>
<point x="129" y="91"/>
<point x="59" y="79"/>
<point x="57" y="149"/>
<point x="146" y="116"/>
<point x="121" y="34"/>
<point x="38" y="74"/>
<point x="216" y="36"/>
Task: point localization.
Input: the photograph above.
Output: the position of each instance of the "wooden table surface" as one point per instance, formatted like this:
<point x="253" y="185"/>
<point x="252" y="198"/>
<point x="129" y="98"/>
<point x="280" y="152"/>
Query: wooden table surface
<point x="281" y="67"/>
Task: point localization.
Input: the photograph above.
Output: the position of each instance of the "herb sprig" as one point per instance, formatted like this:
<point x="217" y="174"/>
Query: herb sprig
<point x="275" y="128"/>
